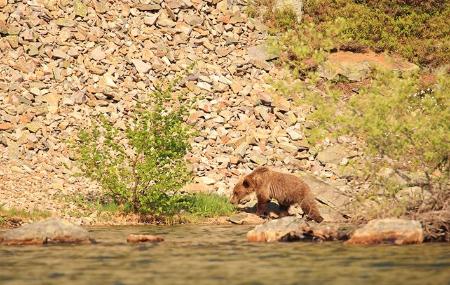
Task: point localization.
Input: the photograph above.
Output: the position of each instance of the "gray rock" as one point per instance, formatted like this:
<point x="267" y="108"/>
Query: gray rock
<point x="141" y="66"/>
<point x="150" y="20"/>
<point x="206" y="180"/>
<point x="333" y="154"/>
<point x="413" y="196"/>
<point x="45" y="232"/>
<point x="294" y="134"/>
<point x="260" y="53"/>
<point x="258" y="159"/>
<point x="288" y="147"/>
<point x="98" y="54"/>
<point x="294" y="229"/>
<point x="335" y="201"/>
<point x="165" y="21"/>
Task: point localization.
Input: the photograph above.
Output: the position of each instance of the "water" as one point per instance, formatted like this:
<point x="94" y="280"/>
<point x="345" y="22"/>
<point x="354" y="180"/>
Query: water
<point x="199" y="255"/>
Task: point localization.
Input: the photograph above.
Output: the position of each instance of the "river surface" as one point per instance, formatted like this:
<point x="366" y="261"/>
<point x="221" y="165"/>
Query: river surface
<point x="193" y="254"/>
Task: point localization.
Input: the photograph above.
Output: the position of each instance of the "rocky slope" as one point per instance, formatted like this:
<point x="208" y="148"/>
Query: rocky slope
<point x="63" y="61"/>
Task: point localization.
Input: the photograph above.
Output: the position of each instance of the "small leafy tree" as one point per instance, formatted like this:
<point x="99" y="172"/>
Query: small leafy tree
<point x="142" y="167"/>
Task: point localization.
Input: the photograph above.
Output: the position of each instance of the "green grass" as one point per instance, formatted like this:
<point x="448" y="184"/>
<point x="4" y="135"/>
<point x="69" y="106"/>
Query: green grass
<point x="33" y="215"/>
<point x="89" y="205"/>
<point x="195" y="208"/>
<point x="209" y="205"/>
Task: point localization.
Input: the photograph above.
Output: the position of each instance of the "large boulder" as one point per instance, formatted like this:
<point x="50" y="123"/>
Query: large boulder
<point x="295" y="229"/>
<point x="393" y="231"/>
<point x="50" y="231"/>
<point x="332" y="202"/>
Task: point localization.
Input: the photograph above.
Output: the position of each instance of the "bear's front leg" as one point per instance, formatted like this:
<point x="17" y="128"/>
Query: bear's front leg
<point x="261" y="209"/>
<point x="262" y="206"/>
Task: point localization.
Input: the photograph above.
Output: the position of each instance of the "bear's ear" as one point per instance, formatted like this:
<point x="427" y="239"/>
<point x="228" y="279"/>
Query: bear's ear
<point x="253" y="180"/>
<point x="246" y="183"/>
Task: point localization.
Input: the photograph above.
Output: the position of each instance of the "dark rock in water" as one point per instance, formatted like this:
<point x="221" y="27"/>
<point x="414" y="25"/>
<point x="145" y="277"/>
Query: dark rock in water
<point x="50" y="231"/>
<point x="132" y="238"/>
<point x="296" y="229"/>
<point x="245" y="219"/>
<point x="395" y="231"/>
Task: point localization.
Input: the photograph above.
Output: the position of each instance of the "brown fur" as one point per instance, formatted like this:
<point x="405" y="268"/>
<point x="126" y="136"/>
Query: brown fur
<point x="287" y="189"/>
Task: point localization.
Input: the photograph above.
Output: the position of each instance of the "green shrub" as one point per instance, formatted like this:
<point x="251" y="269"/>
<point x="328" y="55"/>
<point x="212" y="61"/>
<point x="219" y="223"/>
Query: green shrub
<point x="397" y="121"/>
<point x="142" y="167"/>
<point x="406" y="133"/>
<point x="418" y="30"/>
<point x="411" y="129"/>
<point x="401" y="128"/>
<point x="303" y="48"/>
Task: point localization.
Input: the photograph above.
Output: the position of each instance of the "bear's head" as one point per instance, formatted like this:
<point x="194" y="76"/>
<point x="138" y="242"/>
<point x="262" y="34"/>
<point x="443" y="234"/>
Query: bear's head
<point x="243" y="187"/>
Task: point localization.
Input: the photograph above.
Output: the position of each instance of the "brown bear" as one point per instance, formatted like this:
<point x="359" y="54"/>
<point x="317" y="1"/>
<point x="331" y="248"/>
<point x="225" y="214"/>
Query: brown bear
<point x="287" y="189"/>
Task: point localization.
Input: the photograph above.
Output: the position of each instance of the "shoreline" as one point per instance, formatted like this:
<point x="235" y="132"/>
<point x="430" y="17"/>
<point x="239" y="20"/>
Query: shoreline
<point x="429" y="229"/>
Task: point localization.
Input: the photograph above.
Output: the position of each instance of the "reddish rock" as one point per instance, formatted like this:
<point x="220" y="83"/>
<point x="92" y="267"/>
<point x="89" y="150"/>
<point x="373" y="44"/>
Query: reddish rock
<point x="393" y="231"/>
<point x="5" y="126"/>
<point x="245" y="219"/>
<point x="132" y="238"/>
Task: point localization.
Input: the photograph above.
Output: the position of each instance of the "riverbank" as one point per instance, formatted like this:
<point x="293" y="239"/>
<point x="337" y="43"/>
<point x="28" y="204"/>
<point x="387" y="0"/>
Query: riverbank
<point x="71" y="61"/>
<point x="433" y="228"/>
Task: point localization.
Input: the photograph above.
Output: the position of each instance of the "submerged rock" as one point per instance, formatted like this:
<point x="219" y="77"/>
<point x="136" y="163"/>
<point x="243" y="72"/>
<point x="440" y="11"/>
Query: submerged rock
<point x="395" y="231"/>
<point x="132" y="238"/>
<point x="50" y="231"/>
<point x="295" y="229"/>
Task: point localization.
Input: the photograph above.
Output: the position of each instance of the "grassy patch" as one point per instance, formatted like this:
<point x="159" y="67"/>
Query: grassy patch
<point x="209" y="205"/>
<point x="13" y="214"/>
<point x="193" y="208"/>
<point x="102" y="204"/>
